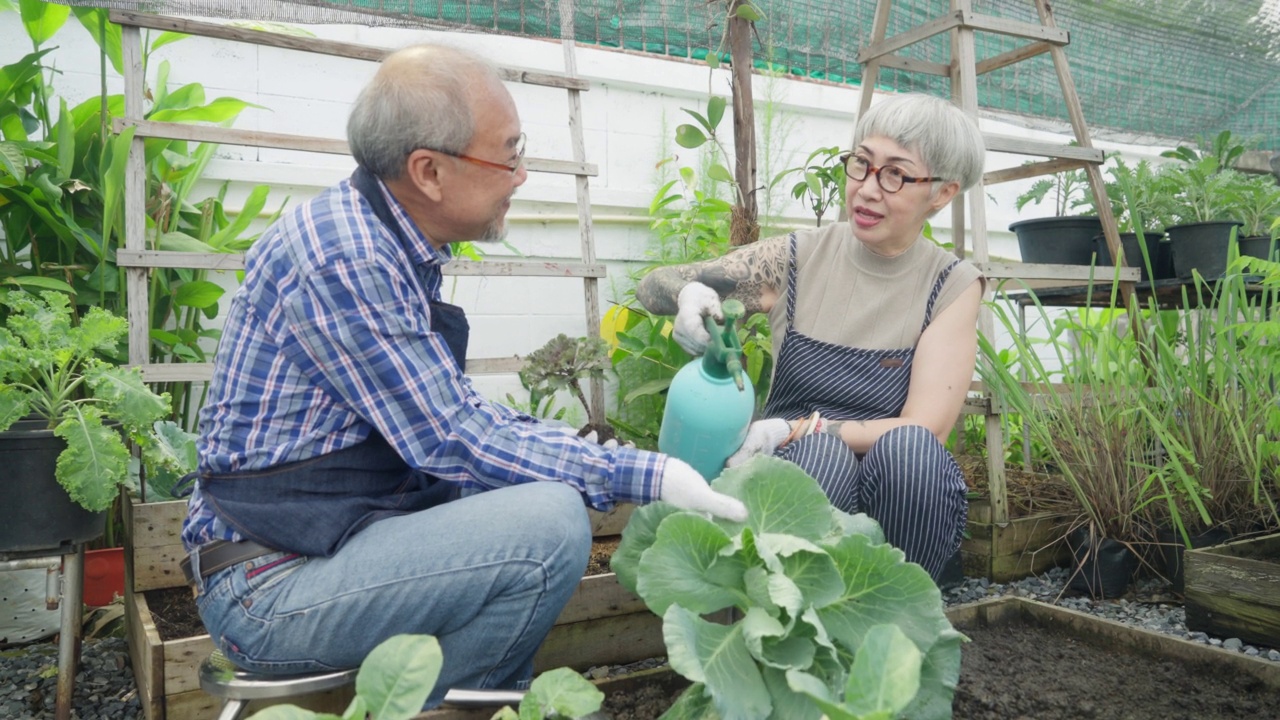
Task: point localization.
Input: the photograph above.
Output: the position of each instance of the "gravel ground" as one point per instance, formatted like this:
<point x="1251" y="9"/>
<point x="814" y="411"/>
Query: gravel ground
<point x="105" y="689"/>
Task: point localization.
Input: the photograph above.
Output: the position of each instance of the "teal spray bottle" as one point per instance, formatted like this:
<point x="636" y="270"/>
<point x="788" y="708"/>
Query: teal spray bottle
<point x="710" y="401"/>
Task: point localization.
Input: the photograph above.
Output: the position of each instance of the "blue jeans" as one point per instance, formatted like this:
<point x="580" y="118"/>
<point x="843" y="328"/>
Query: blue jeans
<point x="487" y="575"/>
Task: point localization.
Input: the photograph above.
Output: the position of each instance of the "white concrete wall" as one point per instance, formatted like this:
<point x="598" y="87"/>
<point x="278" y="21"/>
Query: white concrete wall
<point x="629" y="117"/>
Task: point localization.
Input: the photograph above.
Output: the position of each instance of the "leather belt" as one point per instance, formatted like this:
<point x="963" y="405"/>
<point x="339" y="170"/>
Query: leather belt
<point x="221" y="554"/>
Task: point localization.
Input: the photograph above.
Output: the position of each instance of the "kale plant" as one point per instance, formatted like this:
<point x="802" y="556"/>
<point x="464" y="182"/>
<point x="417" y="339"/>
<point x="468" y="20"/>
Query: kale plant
<point x="564" y="362"/>
<point x="826" y="617"/>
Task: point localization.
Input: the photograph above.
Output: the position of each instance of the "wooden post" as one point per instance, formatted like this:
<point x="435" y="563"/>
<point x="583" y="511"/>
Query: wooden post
<point x="744" y="228"/>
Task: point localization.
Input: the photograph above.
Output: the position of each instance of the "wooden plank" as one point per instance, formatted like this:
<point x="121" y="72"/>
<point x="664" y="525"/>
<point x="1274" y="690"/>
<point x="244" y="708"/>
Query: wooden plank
<point x="1022" y="146"/>
<point x="182" y="658"/>
<point x="157" y="524"/>
<point x="156" y="568"/>
<point x="335" y="48"/>
<point x="611" y="522"/>
<point x="1036" y="275"/>
<point x="1021" y="172"/>
<point x="897" y="42"/>
<point x="176" y="372"/>
<point x="1233" y="590"/>
<point x="192" y="705"/>
<point x="486" y="268"/>
<point x="605" y="641"/>
<point x="146" y="655"/>
<point x="492" y="268"/>
<point x="600" y="596"/>
<point x="899" y="62"/>
<point x="1005" y="59"/>
<point x="135" y="200"/>
<point x="303" y="143"/>
<point x="1055" y="37"/>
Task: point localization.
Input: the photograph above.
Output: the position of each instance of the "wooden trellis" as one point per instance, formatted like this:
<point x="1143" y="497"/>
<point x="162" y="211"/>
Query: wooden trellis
<point x="139" y="259"/>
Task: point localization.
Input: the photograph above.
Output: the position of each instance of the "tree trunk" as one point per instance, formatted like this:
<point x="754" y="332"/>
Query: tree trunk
<point x="743" y="228"/>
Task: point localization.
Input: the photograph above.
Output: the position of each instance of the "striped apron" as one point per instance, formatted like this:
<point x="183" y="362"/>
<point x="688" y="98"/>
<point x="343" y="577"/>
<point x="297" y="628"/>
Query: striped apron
<point x="907" y="480"/>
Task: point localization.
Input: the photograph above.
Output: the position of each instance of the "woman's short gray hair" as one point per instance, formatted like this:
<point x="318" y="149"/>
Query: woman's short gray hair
<point x="419" y="98"/>
<point x="947" y="139"/>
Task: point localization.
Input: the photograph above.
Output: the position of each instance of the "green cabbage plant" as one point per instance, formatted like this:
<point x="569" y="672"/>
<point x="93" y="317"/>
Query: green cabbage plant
<point x="825" y="618"/>
<point x="50" y="369"/>
<point x="398" y="675"/>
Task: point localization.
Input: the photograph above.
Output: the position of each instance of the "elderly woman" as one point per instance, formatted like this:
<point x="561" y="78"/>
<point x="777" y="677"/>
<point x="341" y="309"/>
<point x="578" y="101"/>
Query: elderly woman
<point x="874" y="328"/>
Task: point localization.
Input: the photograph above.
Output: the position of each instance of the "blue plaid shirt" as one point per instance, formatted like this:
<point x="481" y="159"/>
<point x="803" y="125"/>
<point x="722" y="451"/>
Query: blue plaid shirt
<point x="329" y="338"/>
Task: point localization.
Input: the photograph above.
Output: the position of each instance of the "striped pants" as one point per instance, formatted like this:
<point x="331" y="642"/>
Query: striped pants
<point x="907" y="481"/>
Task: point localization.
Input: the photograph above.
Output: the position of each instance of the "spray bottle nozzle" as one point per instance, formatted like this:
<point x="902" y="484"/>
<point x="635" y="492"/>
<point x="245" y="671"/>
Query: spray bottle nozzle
<point x="723" y="357"/>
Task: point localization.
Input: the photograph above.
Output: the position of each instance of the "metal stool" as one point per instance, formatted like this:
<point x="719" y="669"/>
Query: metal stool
<point x="236" y="687"/>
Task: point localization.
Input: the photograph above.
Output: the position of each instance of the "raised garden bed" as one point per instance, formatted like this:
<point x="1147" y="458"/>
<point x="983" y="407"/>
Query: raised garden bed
<point x="1233" y="590"/>
<point x="1034" y="538"/>
<point x="1032" y="660"/>
<point x="1029" y="659"/>
<point x="602" y="624"/>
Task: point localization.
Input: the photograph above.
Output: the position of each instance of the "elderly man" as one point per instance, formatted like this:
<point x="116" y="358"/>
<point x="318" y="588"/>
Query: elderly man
<point x="352" y="483"/>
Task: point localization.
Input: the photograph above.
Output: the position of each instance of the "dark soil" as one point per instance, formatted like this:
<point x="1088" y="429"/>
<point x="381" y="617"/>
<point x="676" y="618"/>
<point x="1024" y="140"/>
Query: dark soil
<point x="1029" y="492"/>
<point x="603" y="432"/>
<point x="174" y="612"/>
<point x="1018" y="671"/>
<point x="602" y="550"/>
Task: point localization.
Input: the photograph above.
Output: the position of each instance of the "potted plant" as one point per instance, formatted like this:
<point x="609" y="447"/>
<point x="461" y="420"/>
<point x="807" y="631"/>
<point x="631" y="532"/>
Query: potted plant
<point x="1258" y="203"/>
<point x="564" y="362"/>
<point x="64" y="416"/>
<point x="1203" y="193"/>
<point x="1139" y="206"/>
<point x="1061" y="239"/>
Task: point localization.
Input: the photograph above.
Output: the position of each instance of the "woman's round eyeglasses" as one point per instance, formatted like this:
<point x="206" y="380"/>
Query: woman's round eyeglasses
<point x="890" y="177"/>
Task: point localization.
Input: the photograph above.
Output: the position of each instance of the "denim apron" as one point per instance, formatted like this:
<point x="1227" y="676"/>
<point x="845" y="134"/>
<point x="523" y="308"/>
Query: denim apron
<point x="313" y="506"/>
<point x="867" y="384"/>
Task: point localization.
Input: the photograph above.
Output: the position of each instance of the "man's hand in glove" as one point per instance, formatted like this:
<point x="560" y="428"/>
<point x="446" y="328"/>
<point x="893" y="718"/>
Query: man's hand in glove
<point x="683" y="487"/>
<point x="764" y="436"/>
<point x="695" y="302"/>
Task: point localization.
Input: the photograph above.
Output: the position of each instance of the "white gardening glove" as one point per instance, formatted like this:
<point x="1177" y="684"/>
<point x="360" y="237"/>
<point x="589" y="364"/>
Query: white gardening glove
<point x="764" y="436"/>
<point x="695" y="302"/>
<point x="685" y="488"/>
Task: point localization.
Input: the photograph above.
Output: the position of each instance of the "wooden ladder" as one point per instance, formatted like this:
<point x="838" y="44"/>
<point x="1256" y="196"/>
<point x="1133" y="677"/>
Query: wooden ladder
<point x="139" y="260"/>
<point x="962" y="22"/>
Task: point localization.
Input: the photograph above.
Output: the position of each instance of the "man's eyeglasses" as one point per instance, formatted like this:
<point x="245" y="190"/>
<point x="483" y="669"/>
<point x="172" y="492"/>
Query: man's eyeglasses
<point x="890" y="177"/>
<point x="489" y="163"/>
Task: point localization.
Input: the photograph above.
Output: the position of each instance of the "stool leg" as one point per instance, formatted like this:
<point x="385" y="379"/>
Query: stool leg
<point x="233" y="710"/>
<point x="70" y="630"/>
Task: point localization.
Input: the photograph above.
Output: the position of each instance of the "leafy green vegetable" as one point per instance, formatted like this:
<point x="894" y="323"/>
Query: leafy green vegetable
<point x="827" y="618"/>
<point x="399" y="674"/>
<point x="51" y="367"/>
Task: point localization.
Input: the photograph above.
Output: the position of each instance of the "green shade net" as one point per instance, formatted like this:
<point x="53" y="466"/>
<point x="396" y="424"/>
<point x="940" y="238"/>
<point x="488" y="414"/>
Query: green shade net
<point x="1173" y="69"/>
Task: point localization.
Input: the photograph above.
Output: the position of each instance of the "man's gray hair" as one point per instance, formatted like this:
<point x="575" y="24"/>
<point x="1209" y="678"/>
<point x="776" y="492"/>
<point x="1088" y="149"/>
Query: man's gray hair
<point x="947" y="139"/>
<point x="420" y="98"/>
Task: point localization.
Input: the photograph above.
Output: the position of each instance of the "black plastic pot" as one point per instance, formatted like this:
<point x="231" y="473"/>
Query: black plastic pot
<point x="1102" y="571"/>
<point x="37" y="513"/>
<point x="1202" y="247"/>
<point x="952" y="572"/>
<point x="1057" y="240"/>
<point x="1164" y="261"/>
<point x="1259" y="246"/>
<point x="1132" y="252"/>
<point x="1172" y="550"/>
